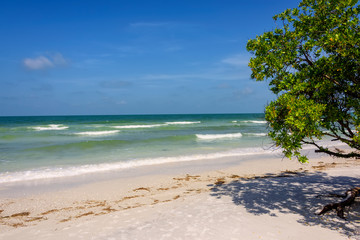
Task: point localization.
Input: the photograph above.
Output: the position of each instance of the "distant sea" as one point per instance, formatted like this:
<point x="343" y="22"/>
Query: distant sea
<point x="60" y="146"/>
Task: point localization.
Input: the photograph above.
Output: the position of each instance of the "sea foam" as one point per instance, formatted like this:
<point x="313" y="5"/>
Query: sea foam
<point x="155" y="125"/>
<point x="256" y="134"/>
<point x="182" y="123"/>
<point x="71" y="171"/>
<point x="138" y="126"/>
<point x="218" y="136"/>
<point x="97" y="133"/>
<point x="254" y="121"/>
<point x="50" y="127"/>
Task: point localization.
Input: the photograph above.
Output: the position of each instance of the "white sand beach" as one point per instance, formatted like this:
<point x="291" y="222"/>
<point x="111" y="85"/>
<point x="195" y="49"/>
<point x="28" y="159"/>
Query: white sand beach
<point x="263" y="198"/>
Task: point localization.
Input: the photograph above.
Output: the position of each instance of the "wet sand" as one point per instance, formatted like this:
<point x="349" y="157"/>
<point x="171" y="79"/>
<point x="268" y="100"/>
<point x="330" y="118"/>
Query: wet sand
<point x="263" y="197"/>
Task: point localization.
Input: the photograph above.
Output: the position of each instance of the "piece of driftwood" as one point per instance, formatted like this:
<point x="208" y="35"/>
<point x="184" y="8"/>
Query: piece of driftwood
<point x="348" y="199"/>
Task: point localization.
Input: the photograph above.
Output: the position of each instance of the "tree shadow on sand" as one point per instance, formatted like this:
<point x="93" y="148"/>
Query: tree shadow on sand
<point x="295" y="194"/>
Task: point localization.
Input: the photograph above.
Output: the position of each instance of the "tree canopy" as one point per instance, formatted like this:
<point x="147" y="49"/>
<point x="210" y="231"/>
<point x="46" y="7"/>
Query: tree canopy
<point x="312" y="62"/>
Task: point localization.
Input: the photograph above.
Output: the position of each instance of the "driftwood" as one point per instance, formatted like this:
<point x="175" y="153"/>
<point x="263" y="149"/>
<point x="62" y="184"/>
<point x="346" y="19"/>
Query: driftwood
<point x="348" y="199"/>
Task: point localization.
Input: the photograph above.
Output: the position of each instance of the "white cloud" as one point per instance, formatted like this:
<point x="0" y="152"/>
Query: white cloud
<point x="247" y="91"/>
<point x="241" y="93"/>
<point x="238" y="60"/>
<point x="58" y="59"/>
<point x="45" y="62"/>
<point x="38" y="63"/>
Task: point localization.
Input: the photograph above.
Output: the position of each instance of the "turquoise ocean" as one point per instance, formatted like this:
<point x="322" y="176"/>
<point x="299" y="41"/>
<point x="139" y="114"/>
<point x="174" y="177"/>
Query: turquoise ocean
<point x="60" y="146"/>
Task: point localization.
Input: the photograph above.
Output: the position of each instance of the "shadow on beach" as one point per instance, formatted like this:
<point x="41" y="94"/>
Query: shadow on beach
<point x="301" y="194"/>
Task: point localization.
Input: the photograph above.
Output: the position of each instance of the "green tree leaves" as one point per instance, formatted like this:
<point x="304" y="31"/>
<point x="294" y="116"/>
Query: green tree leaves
<point x="313" y="65"/>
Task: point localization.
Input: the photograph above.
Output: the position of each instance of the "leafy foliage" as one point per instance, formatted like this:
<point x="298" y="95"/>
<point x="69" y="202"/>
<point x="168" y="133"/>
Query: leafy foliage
<point x="313" y="64"/>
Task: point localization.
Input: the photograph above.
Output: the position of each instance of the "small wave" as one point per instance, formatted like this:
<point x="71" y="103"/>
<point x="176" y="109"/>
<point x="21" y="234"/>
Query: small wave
<point x="256" y="134"/>
<point x="218" y="136"/>
<point x="138" y="126"/>
<point x="254" y="121"/>
<point x="155" y="125"/>
<point x="50" y="127"/>
<point x="58" y="172"/>
<point x="182" y="123"/>
<point x="97" y="133"/>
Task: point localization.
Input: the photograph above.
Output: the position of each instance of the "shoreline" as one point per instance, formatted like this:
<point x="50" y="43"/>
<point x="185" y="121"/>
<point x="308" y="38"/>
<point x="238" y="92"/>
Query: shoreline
<point x="53" y="210"/>
<point x="192" y="164"/>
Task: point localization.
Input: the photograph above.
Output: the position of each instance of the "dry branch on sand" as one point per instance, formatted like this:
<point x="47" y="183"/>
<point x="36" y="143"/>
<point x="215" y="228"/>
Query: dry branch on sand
<point x="348" y="199"/>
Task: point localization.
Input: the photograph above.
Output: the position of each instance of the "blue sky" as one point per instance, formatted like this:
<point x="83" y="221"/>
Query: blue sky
<point x="131" y="57"/>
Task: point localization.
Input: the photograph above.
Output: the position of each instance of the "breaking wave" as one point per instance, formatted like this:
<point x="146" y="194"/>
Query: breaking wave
<point x="97" y="133"/>
<point x="57" y="172"/>
<point x="218" y="136"/>
<point x="50" y="127"/>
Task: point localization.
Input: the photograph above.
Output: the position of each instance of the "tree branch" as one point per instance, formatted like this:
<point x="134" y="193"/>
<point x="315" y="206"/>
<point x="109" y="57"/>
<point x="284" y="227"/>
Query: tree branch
<point x="337" y="137"/>
<point x="332" y="153"/>
<point x="345" y="126"/>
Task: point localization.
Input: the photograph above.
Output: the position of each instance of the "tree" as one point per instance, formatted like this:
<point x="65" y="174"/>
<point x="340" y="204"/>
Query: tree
<point x="312" y="61"/>
<point x="313" y="64"/>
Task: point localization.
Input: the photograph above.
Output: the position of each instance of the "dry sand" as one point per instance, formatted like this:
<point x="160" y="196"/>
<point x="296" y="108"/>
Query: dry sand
<point x="265" y="198"/>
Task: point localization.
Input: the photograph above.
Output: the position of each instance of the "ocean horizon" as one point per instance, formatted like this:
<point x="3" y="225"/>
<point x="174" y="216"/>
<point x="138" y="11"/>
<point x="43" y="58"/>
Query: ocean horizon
<point x="42" y="147"/>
